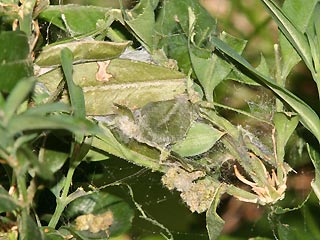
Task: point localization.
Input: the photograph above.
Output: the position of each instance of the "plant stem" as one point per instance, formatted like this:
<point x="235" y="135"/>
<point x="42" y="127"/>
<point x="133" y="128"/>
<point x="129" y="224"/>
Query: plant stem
<point x="278" y="78"/>
<point x="22" y="187"/>
<point x="62" y="201"/>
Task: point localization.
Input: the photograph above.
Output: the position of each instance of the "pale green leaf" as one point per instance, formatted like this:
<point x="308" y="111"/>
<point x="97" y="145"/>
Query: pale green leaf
<point x="82" y="51"/>
<point x="200" y="138"/>
<point x="214" y="222"/>
<point x="285" y="126"/>
<point x="73" y="18"/>
<point x="212" y="70"/>
<point x="141" y="20"/>
<point x="120" y="81"/>
<point x="165" y="122"/>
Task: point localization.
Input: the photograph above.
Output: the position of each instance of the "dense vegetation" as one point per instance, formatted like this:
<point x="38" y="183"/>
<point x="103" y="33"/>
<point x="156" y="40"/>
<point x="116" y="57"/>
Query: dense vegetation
<point x="108" y="111"/>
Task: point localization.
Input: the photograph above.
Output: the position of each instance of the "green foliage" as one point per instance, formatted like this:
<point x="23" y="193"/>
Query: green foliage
<point x="98" y="215"/>
<point x="141" y="84"/>
<point x="14" y="57"/>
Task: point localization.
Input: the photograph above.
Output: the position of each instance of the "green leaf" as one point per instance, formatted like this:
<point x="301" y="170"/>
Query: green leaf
<point x="57" y="189"/>
<point x="212" y="70"/>
<point x="44" y="109"/>
<point x="290" y="31"/>
<point x="315" y="158"/>
<point x="298" y="11"/>
<point x="26" y="156"/>
<point x="15" y="61"/>
<point x="75" y="19"/>
<point x="238" y="76"/>
<point x="165" y="122"/>
<point x="285" y="126"/>
<point x="28" y="228"/>
<point x="311" y="222"/>
<point x="121" y="81"/>
<point x="53" y="234"/>
<point x="214" y="222"/>
<point x="313" y="35"/>
<point x="7" y="203"/>
<point x="307" y="115"/>
<point x="173" y="19"/>
<point x="75" y="92"/>
<point x="82" y="51"/>
<point x="107" y="142"/>
<point x="200" y="138"/>
<point x="16" y="97"/>
<point x="54" y="152"/>
<point x="296" y="231"/>
<point x="30" y="122"/>
<point x="10" y="1"/>
<point x="141" y="20"/>
<point x="98" y="214"/>
<point x="172" y="29"/>
<point x="259" y="238"/>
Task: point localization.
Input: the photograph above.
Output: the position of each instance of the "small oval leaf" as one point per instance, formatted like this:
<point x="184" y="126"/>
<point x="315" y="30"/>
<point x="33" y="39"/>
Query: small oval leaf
<point x="200" y="138"/>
